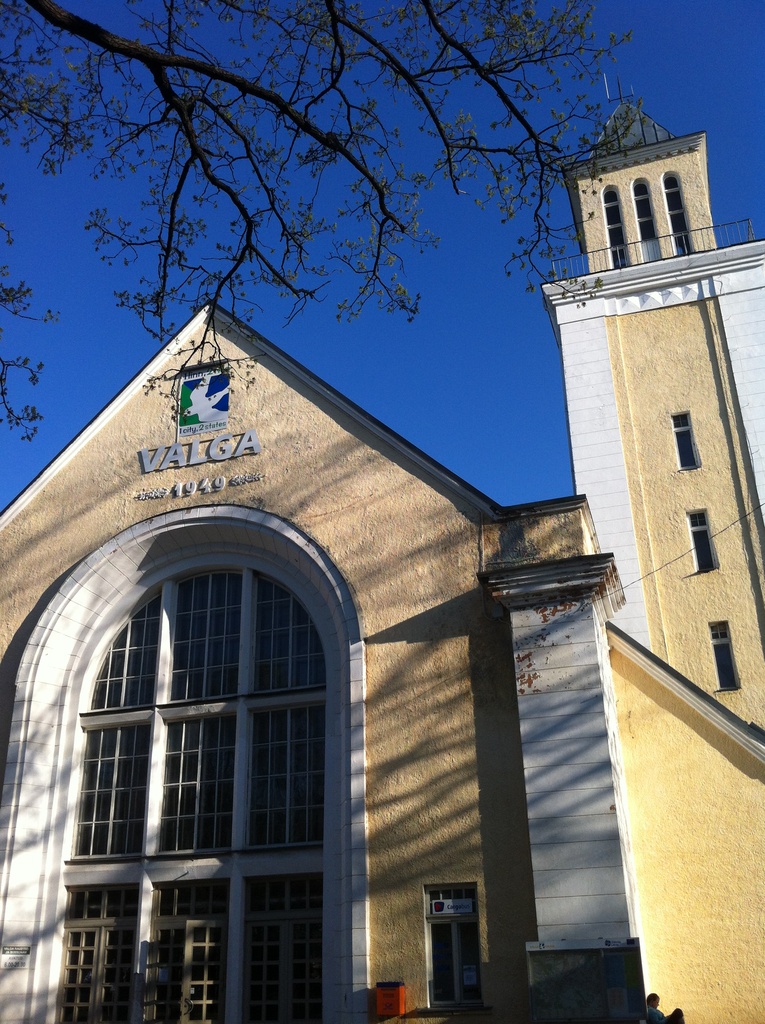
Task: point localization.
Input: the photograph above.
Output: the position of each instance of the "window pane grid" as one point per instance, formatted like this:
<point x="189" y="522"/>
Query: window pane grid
<point x="113" y="795"/>
<point x="288" y="651"/>
<point x="287" y="776"/>
<point x="129" y="669"/>
<point x="616" y="238"/>
<point x="197" y="809"/>
<point x="306" y="971"/>
<point x="686" y="450"/>
<point x="644" y="212"/>
<point x="284" y="949"/>
<point x="207" y="633"/>
<point x="454" y="946"/>
<point x="677" y="219"/>
<point x="286" y="767"/>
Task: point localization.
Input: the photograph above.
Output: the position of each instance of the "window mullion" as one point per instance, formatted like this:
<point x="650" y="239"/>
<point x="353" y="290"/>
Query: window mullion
<point x="241" y="788"/>
<point x="165" y="653"/>
<point x="155" y="784"/>
<point x="246" y="634"/>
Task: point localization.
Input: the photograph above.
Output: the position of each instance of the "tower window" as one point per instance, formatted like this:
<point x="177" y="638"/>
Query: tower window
<point x="686" y="449"/>
<point x="615" y="228"/>
<point x="677" y="220"/>
<point x="646" y="226"/>
<point x="702" y="541"/>
<point x="723" y="652"/>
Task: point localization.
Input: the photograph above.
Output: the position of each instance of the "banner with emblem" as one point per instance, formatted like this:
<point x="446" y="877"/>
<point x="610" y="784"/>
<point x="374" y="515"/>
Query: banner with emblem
<point x="203" y="402"/>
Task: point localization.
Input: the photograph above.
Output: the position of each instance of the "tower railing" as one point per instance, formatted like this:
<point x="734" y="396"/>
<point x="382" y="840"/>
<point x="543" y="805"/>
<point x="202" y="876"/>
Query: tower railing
<point x="631" y="254"/>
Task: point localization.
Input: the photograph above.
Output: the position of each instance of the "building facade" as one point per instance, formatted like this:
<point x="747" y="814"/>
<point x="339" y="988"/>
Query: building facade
<point x="298" y="726"/>
<point x="663" y="347"/>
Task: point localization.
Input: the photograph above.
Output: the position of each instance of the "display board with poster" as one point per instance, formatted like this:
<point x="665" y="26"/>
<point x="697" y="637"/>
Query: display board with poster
<point x="587" y="982"/>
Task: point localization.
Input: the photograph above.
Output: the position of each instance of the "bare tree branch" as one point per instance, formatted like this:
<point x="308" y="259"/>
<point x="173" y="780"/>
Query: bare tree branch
<point x="272" y="141"/>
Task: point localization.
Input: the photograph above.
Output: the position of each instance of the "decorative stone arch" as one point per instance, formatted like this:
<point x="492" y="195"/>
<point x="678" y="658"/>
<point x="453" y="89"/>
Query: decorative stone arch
<point x="58" y="664"/>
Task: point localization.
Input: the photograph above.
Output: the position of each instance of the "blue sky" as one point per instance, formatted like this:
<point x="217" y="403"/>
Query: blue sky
<point x="475" y="380"/>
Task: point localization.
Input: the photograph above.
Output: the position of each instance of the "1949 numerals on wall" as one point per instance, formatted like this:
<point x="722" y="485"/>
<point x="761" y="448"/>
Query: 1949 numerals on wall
<point x="184" y="489"/>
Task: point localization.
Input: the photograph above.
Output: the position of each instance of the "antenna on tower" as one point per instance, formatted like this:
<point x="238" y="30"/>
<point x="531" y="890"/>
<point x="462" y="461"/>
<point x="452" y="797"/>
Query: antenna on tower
<point x="621" y="97"/>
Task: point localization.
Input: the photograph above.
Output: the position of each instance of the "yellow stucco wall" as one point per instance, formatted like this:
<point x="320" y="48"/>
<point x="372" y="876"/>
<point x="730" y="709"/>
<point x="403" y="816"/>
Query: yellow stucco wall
<point x="685" y="158"/>
<point x="697" y="816"/>
<point x="669" y="361"/>
<point x="445" y="783"/>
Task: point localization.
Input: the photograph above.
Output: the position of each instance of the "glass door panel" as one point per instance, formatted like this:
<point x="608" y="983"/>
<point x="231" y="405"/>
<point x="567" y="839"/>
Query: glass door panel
<point x="98" y="956"/>
<point x="186" y="975"/>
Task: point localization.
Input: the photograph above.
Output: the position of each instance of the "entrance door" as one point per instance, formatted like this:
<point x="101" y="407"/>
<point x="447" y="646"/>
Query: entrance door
<point x="186" y="971"/>
<point x="98" y="956"/>
<point x="284" y="951"/>
<point x="284" y="976"/>
<point x="187" y="974"/>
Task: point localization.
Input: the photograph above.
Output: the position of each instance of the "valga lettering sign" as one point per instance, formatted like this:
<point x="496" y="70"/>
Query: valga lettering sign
<point x="219" y="449"/>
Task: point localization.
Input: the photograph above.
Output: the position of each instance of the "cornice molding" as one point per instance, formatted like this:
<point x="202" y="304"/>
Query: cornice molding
<point x="530" y="584"/>
<point x="638" y="155"/>
<point x="696" y="271"/>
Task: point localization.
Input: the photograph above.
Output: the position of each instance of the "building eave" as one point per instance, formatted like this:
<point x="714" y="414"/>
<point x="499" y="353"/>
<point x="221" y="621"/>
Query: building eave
<point x="747" y="736"/>
<point x="596" y="166"/>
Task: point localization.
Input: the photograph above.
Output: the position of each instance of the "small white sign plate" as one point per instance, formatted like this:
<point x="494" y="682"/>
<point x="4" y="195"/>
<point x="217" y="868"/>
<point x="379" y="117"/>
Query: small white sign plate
<point x="451" y="907"/>
<point x="15" y="957"/>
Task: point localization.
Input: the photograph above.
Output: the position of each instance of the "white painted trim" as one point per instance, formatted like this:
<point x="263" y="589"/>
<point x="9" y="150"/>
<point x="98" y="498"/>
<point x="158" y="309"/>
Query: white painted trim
<point x="698" y="270"/>
<point x="598" y="460"/>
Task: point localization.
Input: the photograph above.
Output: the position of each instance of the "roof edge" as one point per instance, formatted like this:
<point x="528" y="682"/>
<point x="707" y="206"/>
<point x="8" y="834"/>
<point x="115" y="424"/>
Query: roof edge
<point x="430" y="465"/>
<point x="747" y="736"/>
<point x="92" y="427"/>
<point x="445" y="477"/>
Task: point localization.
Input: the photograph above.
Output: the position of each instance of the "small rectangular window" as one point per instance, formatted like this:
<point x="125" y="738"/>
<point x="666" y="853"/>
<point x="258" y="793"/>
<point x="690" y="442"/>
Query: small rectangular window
<point x="454" y="948"/>
<point x="723" y="652"/>
<point x="702" y="541"/>
<point x="687" y="457"/>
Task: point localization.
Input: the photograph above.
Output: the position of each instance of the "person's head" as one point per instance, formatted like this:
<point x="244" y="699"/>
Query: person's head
<point x="652" y="1000"/>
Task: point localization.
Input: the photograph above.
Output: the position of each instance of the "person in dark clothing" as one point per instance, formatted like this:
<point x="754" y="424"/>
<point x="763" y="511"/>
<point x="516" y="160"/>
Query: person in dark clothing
<point x="655" y="1016"/>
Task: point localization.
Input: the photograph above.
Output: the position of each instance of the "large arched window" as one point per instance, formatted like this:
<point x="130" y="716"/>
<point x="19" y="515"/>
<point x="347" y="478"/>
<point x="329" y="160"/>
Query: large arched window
<point x="192" y="700"/>
<point x="646" y="226"/>
<point x="233" y="638"/>
<point x="677" y="220"/>
<point x="205" y="735"/>
<point x="616" y="241"/>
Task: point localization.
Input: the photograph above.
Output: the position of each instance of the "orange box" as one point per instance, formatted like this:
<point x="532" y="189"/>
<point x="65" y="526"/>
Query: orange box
<point x="391" y="998"/>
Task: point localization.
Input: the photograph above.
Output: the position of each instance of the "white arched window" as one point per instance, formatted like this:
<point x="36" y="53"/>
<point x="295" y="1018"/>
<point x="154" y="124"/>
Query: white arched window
<point x="204" y="674"/>
<point x="649" y="243"/>
<point x="676" y="213"/>
<point x="206" y="732"/>
<point x="203" y="671"/>
<point x="616" y="241"/>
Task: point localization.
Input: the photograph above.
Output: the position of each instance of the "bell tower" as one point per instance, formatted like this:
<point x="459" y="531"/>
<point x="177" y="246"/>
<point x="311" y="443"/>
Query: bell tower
<point x="660" y="321"/>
